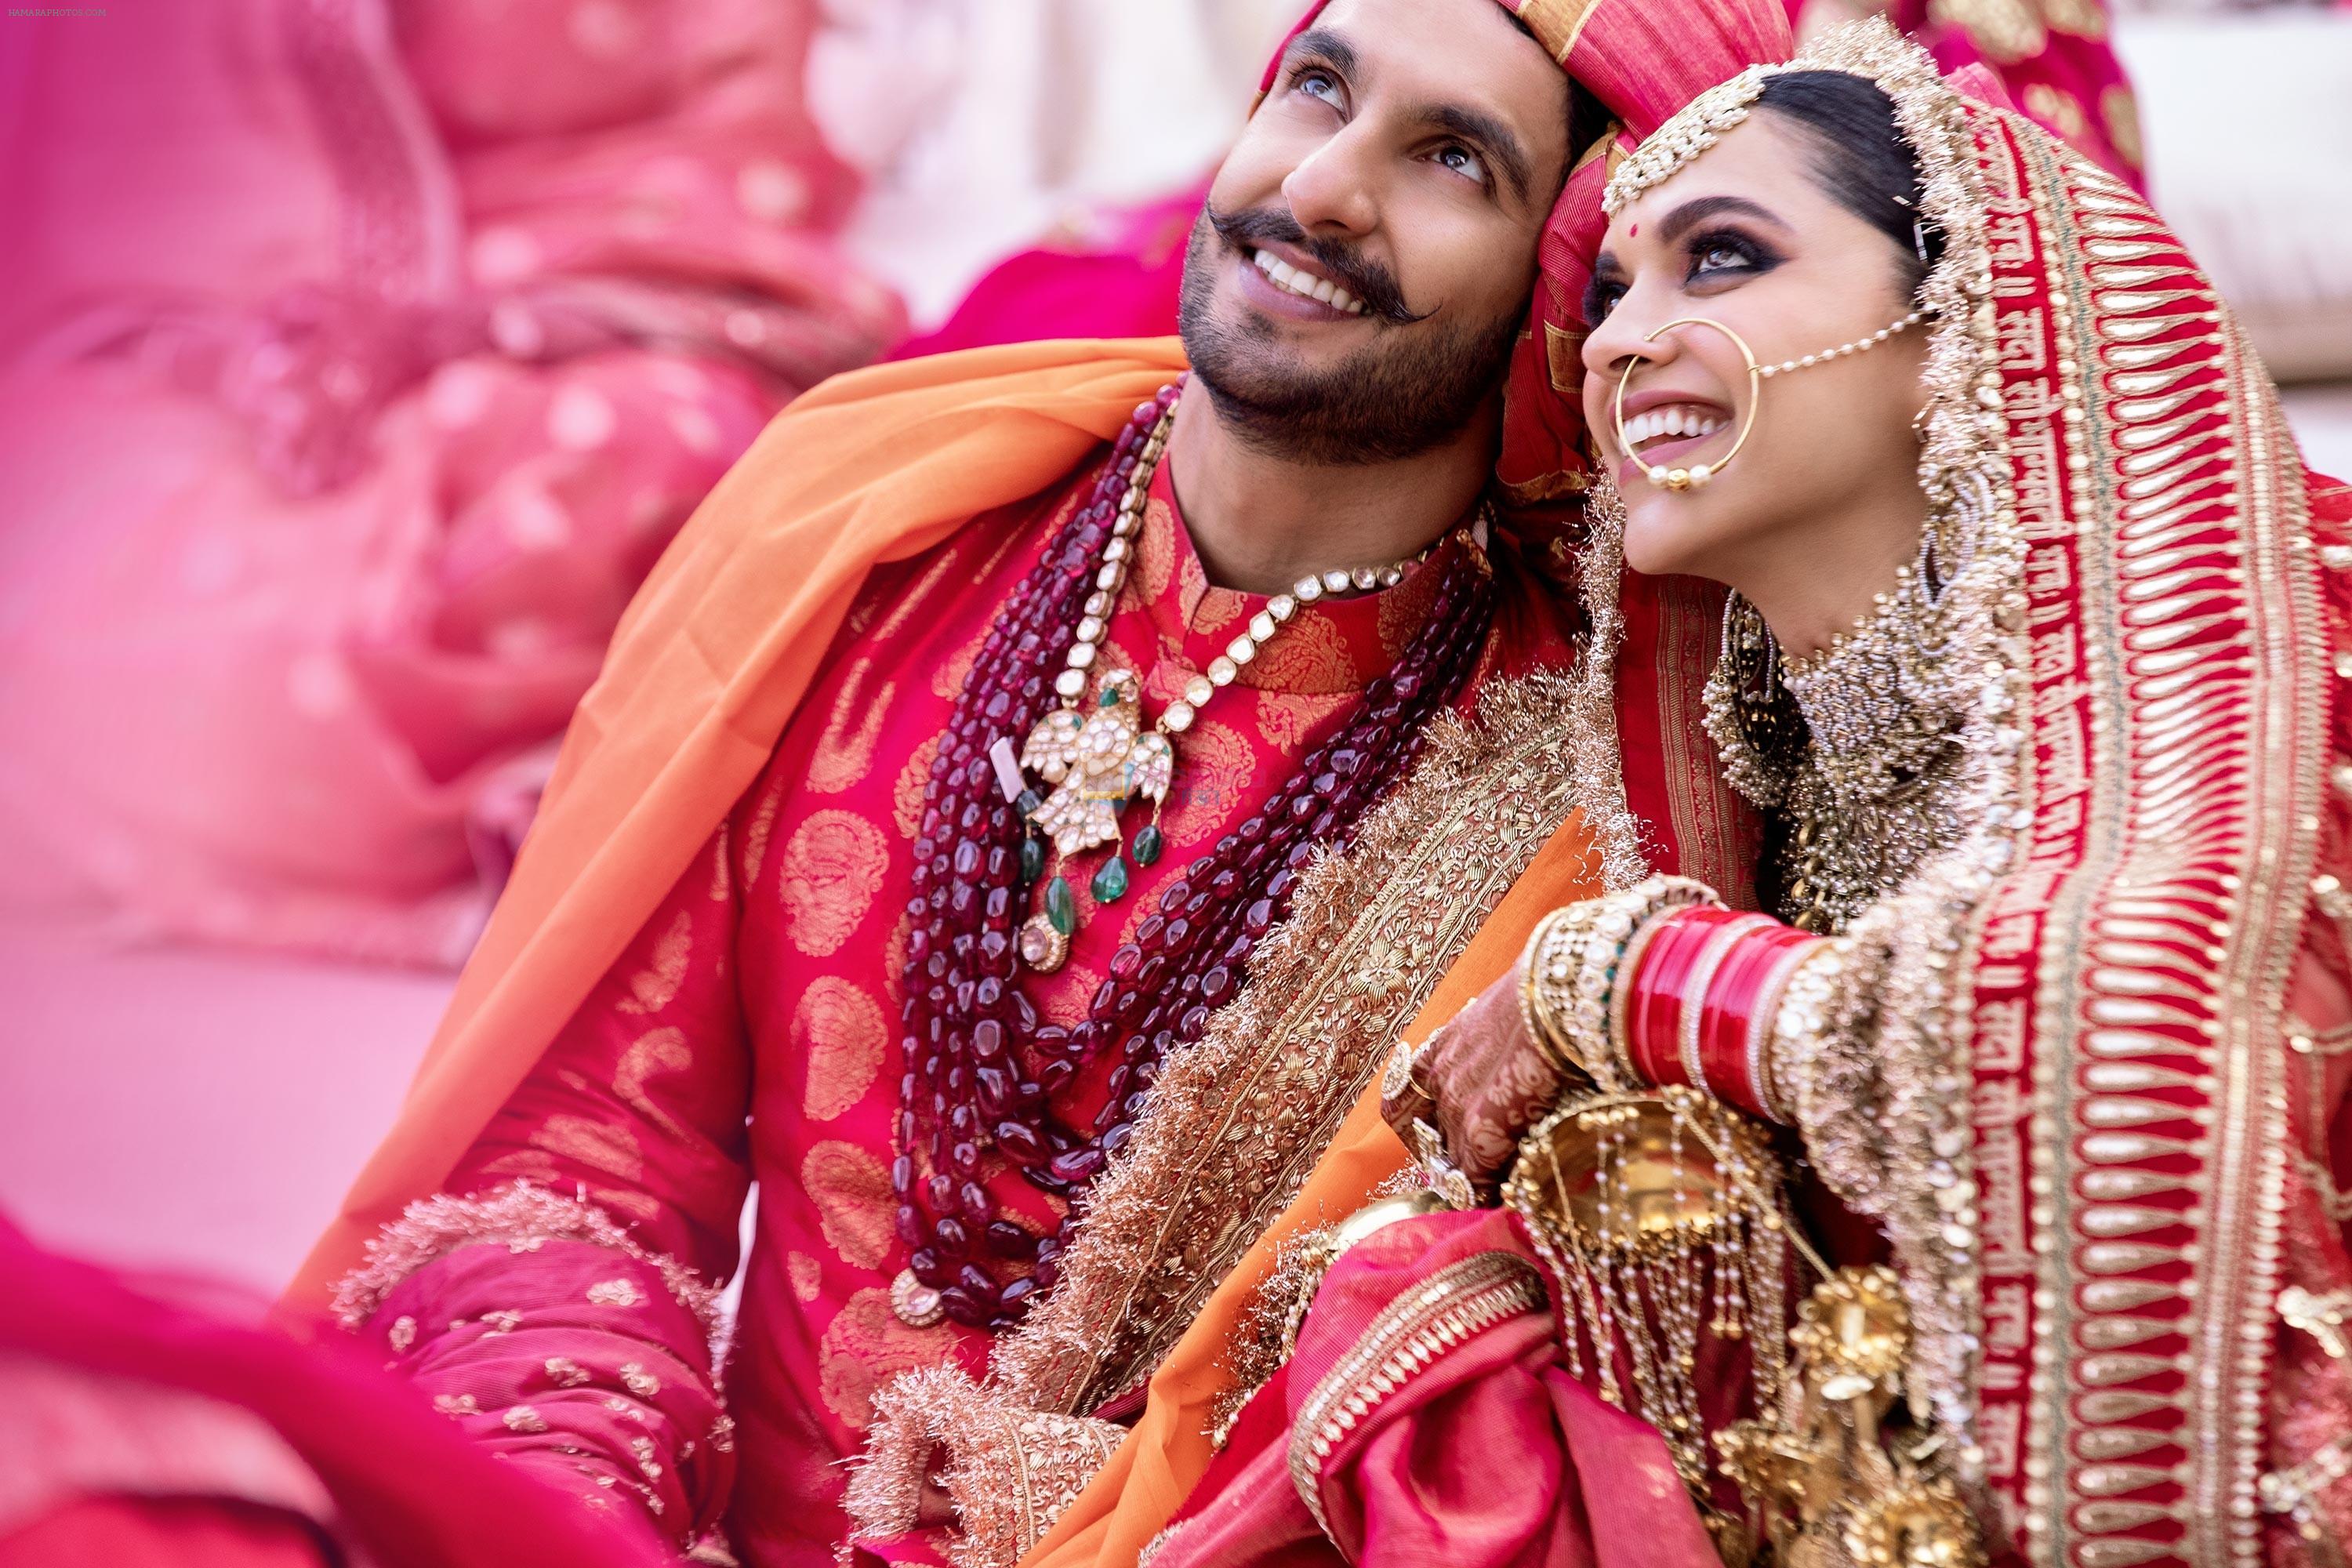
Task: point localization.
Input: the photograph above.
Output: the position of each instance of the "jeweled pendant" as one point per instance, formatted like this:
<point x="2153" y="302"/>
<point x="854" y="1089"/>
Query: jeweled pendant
<point x="1032" y="861"/>
<point x="1042" y="948"/>
<point x="1061" y="906"/>
<point x="915" y="1304"/>
<point x="1149" y="845"/>
<point x="1109" y="885"/>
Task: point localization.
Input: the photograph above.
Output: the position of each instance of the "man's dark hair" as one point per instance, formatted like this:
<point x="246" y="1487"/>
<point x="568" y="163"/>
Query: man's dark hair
<point x="1860" y="157"/>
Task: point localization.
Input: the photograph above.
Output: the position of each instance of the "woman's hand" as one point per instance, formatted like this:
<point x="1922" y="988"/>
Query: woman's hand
<point x="1490" y="1081"/>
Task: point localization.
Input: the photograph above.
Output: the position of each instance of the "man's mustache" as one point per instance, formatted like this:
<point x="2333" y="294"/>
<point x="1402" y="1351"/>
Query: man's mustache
<point x="1367" y="280"/>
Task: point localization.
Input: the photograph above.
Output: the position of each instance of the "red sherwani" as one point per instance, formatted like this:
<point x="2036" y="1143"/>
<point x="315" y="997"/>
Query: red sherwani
<point x="748" y="1034"/>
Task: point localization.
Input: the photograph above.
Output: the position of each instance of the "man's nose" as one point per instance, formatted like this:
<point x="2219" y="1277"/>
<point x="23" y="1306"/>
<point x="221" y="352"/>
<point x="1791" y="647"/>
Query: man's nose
<point x="1332" y="190"/>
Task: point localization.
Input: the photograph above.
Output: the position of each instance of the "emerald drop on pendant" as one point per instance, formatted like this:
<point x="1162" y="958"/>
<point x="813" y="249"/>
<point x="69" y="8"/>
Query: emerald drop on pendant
<point x="1061" y="908"/>
<point x="1109" y="885"/>
<point x="1032" y="861"/>
<point x="1148" y="845"/>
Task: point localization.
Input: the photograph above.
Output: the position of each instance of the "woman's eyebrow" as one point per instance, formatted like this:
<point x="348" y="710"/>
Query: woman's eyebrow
<point x="1690" y="214"/>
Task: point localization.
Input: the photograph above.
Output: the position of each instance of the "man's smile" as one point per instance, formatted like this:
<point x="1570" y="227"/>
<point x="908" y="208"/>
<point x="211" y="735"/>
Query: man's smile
<point x="1305" y="282"/>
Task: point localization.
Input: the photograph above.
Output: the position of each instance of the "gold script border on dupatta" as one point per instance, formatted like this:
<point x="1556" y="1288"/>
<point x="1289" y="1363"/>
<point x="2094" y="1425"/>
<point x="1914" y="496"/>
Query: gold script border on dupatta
<point x="1238" y="1118"/>
<point x="2177" y="764"/>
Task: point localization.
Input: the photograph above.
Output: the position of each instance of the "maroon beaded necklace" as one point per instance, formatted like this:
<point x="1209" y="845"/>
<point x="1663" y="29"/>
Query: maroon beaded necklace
<point x="980" y="1067"/>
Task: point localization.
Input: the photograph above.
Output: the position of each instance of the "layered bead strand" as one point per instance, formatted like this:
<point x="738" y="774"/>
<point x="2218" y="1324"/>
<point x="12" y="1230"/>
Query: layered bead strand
<point x="980" y="1067"/>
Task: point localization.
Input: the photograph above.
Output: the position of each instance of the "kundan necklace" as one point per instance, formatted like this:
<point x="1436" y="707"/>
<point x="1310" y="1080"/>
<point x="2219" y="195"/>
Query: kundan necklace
<point x="981" y="1068"/>
<point x="1094" y="763"/>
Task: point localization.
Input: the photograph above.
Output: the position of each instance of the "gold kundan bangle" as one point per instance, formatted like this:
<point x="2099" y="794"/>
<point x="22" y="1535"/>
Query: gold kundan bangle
<point x="1618" y="917"/>
<point x="1799" y="1022"/>
<point x="1538" y="1019"/>
<point x="1764" y="1085"/>
<point x="1399" y="1085"/>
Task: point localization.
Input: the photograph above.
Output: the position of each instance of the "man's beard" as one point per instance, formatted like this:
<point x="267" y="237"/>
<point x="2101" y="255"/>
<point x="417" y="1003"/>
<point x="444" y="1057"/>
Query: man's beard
<point x="1386" y="401"/>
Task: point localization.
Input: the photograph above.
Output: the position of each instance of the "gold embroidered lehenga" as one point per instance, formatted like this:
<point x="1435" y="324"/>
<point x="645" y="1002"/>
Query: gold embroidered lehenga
<point x="2074" y="1040"/>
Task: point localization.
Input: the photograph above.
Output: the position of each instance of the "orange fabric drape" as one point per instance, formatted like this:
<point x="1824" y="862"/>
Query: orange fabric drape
<point x="1145" y="1481"/>
<point x="704" y="673"/>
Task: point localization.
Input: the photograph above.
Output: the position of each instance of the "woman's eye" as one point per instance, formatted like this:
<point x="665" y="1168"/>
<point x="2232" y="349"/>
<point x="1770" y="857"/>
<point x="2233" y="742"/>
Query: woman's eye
<point x="1717" y="254"/>
<point x="1463" y="162"/>
<point x="1601" y="299"/>
<point x="1721" y="257"/>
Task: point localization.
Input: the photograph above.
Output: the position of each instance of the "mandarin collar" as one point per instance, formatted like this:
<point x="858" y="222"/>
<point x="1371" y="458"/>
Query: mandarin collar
<point x="1335" y="645"/>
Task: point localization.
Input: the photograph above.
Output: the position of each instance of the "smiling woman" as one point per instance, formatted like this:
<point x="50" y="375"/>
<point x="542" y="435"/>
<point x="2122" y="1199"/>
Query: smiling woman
<point x="2033" y="661"/>
<point x="1798" y="245"/>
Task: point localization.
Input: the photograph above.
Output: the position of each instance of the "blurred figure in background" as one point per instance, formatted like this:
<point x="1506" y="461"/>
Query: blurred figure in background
<point x="363" y="355"/>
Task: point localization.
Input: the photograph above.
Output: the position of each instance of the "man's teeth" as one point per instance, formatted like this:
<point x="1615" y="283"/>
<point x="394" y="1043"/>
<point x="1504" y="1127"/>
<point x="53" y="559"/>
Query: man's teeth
<point x="1674" y="419"/>
<point x="1306" y="284"/>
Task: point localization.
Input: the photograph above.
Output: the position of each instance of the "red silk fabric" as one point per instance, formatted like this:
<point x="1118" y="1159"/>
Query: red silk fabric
<point x="1416" y="1480"/>
<point x="407" y="1487"/>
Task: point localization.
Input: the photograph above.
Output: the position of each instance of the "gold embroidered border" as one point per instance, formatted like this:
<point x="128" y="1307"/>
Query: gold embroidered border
<point x="1009" y="1472"/>
<point x="1452" y="1306"/>
<point x="521" y="1218"/>
<point x="1238" y="1118"/>
<point x="1593" y="752"/>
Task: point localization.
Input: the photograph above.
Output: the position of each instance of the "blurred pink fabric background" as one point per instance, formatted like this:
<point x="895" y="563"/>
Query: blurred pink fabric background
<point x="366" y="356"/>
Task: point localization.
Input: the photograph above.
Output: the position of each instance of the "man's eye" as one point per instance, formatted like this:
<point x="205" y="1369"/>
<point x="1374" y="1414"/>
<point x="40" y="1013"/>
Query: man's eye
<point x="1318" y="84"/>
<point x="1463" y="162"/>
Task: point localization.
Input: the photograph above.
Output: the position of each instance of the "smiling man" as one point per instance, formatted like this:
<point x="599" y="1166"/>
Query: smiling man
<point x="1005" y="831"/>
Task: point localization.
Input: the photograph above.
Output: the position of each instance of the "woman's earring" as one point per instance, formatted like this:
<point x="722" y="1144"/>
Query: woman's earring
<point x="1752" y="657"/>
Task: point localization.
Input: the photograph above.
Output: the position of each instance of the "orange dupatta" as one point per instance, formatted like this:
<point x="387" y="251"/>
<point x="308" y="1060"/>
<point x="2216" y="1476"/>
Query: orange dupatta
<point x="705" y="671"/>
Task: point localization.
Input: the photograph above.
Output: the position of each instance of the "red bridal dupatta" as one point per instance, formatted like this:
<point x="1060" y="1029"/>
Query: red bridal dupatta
<point x="2085" y="1071"/>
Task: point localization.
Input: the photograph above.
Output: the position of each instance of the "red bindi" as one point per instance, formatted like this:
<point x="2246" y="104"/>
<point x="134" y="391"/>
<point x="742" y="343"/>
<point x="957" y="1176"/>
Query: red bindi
<point x="1633" y="232"/>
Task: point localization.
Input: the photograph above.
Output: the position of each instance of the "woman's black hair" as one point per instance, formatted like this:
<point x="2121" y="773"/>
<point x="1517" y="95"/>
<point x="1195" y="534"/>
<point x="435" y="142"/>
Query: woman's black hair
<point x="1860" y="158"/>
